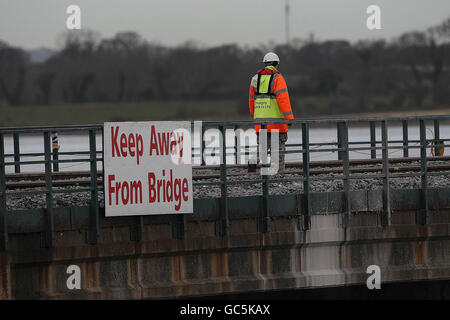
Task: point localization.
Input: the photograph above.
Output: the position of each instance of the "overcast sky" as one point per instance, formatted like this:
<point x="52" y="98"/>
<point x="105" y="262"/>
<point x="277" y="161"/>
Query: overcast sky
<point x="37" y="23"/>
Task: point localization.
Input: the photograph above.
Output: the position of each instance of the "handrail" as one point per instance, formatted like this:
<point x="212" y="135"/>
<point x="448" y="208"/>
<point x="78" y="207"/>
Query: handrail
<point x="30" y="129"/>
<point x="342" y="146"/>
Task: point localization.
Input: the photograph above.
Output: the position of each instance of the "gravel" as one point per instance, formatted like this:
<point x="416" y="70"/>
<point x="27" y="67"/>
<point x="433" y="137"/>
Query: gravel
<point x="18" y="202"/>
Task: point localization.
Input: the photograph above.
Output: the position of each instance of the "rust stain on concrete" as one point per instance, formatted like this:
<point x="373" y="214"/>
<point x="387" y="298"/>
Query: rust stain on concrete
<point x="298" y="259"/>
<point x="90" y="274"/>
<point x="176" y="268"/>
<point x="5" y="276"/>
<point x="45" y="279"/>
<point x="265" y="261"/>
<point x="420" y="252"/>
<point x="219" y="264"/>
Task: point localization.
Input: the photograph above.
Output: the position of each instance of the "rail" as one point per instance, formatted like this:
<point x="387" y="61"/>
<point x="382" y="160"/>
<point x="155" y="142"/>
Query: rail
<point x="93" y="157"/>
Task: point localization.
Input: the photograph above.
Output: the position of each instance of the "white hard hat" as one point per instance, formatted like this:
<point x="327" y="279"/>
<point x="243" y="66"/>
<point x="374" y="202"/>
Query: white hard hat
<point x="271" y="57"/>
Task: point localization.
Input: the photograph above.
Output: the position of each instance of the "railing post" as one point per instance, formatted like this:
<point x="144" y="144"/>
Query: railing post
<point x="3" y="211"/>
<point x="405" y="138"/>
<point x="179" y="220"/>
<point x="179" y="228"/>
<point x="139" y="228"/>
<point x="423" y="213"/>
<point x="16" y="152"/>
<point x="373" y="137"/>
<point x="94" y="228"/>
<point x="55" y="149"/>
<point x="179" y="225"/>
<point x="386" y="216"/>
<point x="346" y="218"/>
<point x="306" y="221"/>
<point x="236" y="156"/>
<point x="202" y="146"/>
<point x="339" y="139"/>
<point x="223" y="223"/>
<point x="437" y="139"/>
<point x="49" y="232"/>
<point x="239" y="148"/>
<point x="265" y="225"/>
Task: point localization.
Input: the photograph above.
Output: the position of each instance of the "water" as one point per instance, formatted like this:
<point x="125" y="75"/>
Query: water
<point x="80" y="142"/>
<point x="329" y="134"/>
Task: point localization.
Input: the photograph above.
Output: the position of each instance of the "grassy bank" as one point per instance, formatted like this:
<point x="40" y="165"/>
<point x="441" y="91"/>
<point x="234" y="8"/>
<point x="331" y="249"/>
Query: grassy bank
<point x="101" y="112"/>
<point x="160" y="110"/>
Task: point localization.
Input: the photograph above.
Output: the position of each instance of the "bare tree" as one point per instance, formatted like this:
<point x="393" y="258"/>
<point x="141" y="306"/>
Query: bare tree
<point x="13" y="64"/>
<point x="437" y="41"/>
<point x="411" y="48"/>
<point x="45" y="82"/>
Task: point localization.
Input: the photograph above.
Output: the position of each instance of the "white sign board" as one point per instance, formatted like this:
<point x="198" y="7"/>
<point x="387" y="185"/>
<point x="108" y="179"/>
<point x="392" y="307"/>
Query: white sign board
<point x="147" y="168"/>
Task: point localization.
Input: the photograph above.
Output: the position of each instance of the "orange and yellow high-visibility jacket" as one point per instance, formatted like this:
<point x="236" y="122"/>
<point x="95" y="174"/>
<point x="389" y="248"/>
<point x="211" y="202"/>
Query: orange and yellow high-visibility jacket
<point x="269" y="99"/>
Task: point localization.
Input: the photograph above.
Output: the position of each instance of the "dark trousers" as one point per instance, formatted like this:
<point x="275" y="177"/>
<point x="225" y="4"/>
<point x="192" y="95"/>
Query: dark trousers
<point x="282" y="138"/>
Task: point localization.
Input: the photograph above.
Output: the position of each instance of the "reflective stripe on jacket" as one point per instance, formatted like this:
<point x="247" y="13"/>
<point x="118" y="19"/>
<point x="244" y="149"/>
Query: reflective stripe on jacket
<point x="269" y="99"/>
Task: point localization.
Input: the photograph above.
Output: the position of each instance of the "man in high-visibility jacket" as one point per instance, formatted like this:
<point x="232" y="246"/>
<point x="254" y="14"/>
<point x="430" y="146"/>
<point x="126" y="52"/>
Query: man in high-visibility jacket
<point x="269" y="100"/>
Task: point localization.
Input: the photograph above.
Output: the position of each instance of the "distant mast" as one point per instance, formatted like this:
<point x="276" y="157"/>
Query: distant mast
<point x="287" y="21"/>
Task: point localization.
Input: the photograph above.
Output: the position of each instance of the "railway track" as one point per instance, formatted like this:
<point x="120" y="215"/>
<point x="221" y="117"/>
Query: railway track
<point x="82" y="178"/>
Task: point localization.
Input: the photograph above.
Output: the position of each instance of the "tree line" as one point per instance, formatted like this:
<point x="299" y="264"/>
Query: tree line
<point x="409" y="71"/>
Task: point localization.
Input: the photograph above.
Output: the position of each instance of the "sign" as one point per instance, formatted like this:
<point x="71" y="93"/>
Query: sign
<point x="147" y="168"/>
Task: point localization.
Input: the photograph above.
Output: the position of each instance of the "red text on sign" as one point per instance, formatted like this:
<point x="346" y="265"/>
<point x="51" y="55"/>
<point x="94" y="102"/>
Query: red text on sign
<point x="131" y="145"/>
<point x="167" y="189"/>
<point x="124" y="192"/>
<point x="162" y="143"/>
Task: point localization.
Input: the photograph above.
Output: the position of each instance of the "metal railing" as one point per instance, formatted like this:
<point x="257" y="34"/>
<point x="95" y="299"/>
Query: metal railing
<point x="49" y="190"/>
<point x="304" y="149"/>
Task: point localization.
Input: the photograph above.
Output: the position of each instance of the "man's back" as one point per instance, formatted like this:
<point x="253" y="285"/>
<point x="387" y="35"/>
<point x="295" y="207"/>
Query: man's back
<point x="277" y="88"/>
